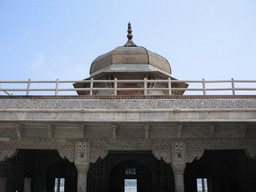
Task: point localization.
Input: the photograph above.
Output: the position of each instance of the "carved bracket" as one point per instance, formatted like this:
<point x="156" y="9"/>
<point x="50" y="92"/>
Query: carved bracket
<point x="194" y="154"/>
<point x="95" y="154"/>
<point x="146" y="131"/>
<point x="19" y="130"/>
<point x="68" y="154"/>
<point x="49" y="128"/>
<point x="114" y="131"/>
<point x="251" y="153"/>
<point x="212" y="130"/>
<point x="7" y="153"/>
<point x="82" y="128"/>
<point x="163" y="154"/>
<point x="242" y="130"/>
<point x="179" y="131"/>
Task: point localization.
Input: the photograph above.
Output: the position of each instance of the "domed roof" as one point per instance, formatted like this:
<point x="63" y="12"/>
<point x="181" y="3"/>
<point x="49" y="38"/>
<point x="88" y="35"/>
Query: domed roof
<point x="128" y="55"/>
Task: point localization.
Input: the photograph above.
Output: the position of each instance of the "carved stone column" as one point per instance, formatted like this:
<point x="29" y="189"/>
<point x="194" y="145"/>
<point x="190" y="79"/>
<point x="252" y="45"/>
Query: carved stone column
<point x="179" y="160"/>
<point x="178" y="170"/>
<point x="82" y="164"/>
<point x="82" y="170"/>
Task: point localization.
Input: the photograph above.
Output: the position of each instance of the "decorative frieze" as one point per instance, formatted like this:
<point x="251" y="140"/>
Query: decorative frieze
<point x="127" y="103"/>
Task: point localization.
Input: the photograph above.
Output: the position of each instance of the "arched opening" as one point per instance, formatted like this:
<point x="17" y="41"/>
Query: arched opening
<point x="130" y="171"/>
<point x="224" y="170"/>
<point x="109" y="174"/>
<point x="36" y="170"/>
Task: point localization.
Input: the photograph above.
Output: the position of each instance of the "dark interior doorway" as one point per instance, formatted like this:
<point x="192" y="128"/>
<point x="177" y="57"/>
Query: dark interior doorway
<point x="36" y="170"/>
<point x="133" y="171"/>
<point x="224" y="170"/>
<point x="109" y="174"/>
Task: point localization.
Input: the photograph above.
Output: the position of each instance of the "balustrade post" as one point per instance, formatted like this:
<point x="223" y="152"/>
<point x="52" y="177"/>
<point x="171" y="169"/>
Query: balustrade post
<point x="169" y="85"/>
<point x="233" y="86"/>
<point x="57" y="87"/>
<point x="115" y="87"/>
<point x="91" y="86"/>
<point x="204" y="90"/>
<point x="28" y="87"/>
<point x="145" y="86"/>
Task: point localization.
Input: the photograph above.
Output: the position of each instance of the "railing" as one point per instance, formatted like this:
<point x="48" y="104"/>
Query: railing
<point x="203" y="86"/>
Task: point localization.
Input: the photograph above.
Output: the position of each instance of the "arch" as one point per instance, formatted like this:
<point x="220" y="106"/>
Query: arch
<point x="99" y="173"/>
<point x="140" y="172"/>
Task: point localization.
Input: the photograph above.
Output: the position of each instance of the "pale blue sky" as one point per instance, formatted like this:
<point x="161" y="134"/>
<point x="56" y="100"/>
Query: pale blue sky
<point x="50" y="39"/>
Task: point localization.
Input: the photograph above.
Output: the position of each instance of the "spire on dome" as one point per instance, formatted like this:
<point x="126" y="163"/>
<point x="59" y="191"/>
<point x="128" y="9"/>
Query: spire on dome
<point x="130" y="43"/>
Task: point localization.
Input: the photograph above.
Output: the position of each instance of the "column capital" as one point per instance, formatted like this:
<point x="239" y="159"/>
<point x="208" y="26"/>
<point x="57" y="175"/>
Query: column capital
<point x="82" y="167"/>
<point x="178" y="168"/>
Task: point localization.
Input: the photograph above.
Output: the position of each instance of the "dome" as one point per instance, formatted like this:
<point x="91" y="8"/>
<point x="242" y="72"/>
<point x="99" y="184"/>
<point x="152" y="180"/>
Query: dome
<point x="130" y="56"/>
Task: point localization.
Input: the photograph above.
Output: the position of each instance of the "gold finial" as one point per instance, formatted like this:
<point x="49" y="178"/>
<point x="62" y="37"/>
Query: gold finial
<point x="129" y="36"/>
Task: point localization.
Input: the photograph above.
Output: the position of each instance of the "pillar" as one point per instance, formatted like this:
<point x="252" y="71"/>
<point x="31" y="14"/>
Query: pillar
<point x="179" y="160"/>
<point x="82" y="170"/>
<point x="178" y="171"/>
<point x="82" y="164"/>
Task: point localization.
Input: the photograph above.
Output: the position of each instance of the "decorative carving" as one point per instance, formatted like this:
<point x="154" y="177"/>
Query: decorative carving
<point x="127" y="104"/>
<point x="95" y="154"/>
<point x="130" y="171"/>
<point x="68" y="154"/>
<point x="163" y="154"/>
<point x="82" y="152"/>
<point x="7" y="153"/>
<point x="131" y="145"/>
<point x="194" y="154"/>
<point x="178" y="152"/>
<point x="146" y="131"/>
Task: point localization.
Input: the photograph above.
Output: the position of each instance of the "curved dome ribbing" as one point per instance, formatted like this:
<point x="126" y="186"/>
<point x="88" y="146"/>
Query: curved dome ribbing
<point x="130" y="55"/>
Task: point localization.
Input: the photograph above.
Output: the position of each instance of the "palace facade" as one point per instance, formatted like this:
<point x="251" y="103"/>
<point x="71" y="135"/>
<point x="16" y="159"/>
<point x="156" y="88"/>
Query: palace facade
<point x="129" y="128"/>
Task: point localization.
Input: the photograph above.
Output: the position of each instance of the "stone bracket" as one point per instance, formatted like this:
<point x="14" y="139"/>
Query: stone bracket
<point x="68" y="154"/>
<point x="19" y="130"/>
<point x="82" y="128"/>
<point x="194" y="154"/>
<point x="114" y="131"/>
<point x="251" y="153"/>
<point x="212" y="130"/>
<point x="7" y="153"/>
<point x="50" y="130"/>
<point x="179" y="131"/>
<point x="95" y="154"/>
<point x="163" y="154"/>
<point x="146" y="127"/>
<point x="242" y="130"/>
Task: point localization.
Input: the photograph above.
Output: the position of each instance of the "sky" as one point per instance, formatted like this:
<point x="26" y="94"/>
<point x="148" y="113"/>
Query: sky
<point x="59" y="39"/>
